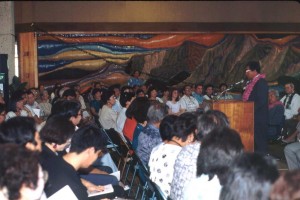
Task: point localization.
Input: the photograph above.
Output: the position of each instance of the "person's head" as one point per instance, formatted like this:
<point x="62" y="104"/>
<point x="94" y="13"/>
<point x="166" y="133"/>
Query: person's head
<point x="116" y="89"/>
<point x="187" y="90"/>
<point x="217" y="151"/>
<point x="144" y="87"/>
<point x="69" y="109"/>
<point x="174" y="94"/>
<point x="252" y="69"/>
<point x="126" y="98"/>
<point x="166" y="127"/>
<point x="30" y="97"/>
<point x="152" y="92"/>
<point x="156" y="112"/>
<point x="138" y="109"/>
<point x="97" y="93"/>
<point x="139" y="93"/>
<point x="21" y="176"/>
<point x="41" y="87"/>
<point x="286" y="186"/>
<point x="210" y="120"/>
<point x="273" y="96"/>
<point x="89" y="140"/>
<point x="250" y="177"/>
<point x="57" y="132"/>
<point x="126" y="88"/>
<point x="136" y="73"/>
<point x="209" y="89"/>
<point x="108" y="97"/>
<point x="2" y="113"/>
<point x="199" y="88"/>
<point x="223" y="87"/>
<point x="184" y="128"/>
<point x="166" y="92"/>
<point x="69" y="94"/>
<point x="21" y="131"/>
<point x="289" y="88"/>
<point x="44" y="95"/>
<point x="16" y="103"/>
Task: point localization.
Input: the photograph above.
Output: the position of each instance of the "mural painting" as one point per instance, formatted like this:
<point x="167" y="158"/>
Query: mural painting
<point x="169" y="58"/>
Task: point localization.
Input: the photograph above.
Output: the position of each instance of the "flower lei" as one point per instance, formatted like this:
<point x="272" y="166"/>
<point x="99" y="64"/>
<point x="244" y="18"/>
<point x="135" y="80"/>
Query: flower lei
<point x="251" y="85"/>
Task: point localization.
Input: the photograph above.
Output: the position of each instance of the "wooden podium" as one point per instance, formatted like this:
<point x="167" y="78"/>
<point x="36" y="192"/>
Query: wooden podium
<point x="241" y="118"/>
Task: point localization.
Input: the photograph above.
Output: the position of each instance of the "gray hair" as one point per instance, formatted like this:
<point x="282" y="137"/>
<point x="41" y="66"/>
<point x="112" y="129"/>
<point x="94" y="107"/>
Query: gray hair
<point x="157" y="112"/>
<point x="275" y="92"/>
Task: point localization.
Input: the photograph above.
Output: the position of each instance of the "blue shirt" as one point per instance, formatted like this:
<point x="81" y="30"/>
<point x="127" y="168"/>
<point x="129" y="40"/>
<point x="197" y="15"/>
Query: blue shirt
<point x="198" y="97"/>
<point x="138" y="129"/>
<point x="135" y="81"/>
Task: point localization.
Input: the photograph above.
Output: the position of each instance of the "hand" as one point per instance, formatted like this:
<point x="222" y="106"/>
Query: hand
<point x="93" y="188"/>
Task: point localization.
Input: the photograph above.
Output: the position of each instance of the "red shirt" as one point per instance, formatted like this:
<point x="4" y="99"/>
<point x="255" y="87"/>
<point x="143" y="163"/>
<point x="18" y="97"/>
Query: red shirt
<point x="129" y="127"/>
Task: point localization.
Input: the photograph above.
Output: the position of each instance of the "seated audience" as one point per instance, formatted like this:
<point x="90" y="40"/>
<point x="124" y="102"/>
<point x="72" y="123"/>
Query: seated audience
<point x="173" y="102"/>
<point x="150" y="136"/>
<point x="250" y="177"/>
<point x="107" y="116"/>
<point x="291" y="102"/>
<point x="152" y="94"/>
<point x="187" y="101"/>
<point x="17" y="108"/>
<point x="21" y="176"/>
<point x="86" y="145"/>
<point x="217" y="151"/>
<point x="21" y="131"/>
<point x="33" y="106"/>
<point x="223" y="95"/>
<point x="125" y="101"/>
<point x="44" y="104"/>
<point x="96" y="103"/>
<point x="185" y="167"/>
<point x="276" y="115"/>
<point x="209" y="92"/>
<point x="163" y="156"/>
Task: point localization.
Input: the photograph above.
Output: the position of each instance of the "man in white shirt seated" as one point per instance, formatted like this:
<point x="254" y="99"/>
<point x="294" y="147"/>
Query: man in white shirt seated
<point x="188" y="102"/>
<point x="34" y="107"/>
<point x="291" y="102"/>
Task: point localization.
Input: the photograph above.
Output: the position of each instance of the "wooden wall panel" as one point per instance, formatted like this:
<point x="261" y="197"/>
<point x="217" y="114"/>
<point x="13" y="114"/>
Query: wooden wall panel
<point x="241" y="117"/>
<point x="28" y="69"/>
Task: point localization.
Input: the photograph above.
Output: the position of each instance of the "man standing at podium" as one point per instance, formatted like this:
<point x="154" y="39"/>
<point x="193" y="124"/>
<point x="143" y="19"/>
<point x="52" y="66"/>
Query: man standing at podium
<point x="257" y="91"/>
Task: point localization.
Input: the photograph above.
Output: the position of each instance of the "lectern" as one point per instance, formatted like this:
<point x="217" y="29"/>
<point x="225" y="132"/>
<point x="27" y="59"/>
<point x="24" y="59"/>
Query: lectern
<point x="241" y="118"/>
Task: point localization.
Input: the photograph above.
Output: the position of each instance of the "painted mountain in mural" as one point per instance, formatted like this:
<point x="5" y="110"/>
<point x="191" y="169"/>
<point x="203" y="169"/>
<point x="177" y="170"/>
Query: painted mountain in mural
<point x="208" y="59"/>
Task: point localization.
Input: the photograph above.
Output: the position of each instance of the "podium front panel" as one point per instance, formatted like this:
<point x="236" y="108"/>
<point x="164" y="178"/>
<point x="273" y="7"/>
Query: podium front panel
<point x="241" y="118"/>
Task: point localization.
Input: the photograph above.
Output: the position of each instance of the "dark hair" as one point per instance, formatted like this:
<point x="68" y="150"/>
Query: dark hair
<point x="125" y="97"/>
<point x="138" y="109"/>
<point x="125" y="88"/>
<point x="2" y="107"/>
<point x="138" y="91"/>
<point x="66" y="108"/>
<point x="69" y="92"/>
<point x="15" y="98"/>
<point x="185" y="125"/>
<point x="95" y="90"/>
<point x="254" y="66"/>
<point x="198" y="84"/>
<point x="88" y="136"/>
<point x="166" y="127"/>
<point x="250" y="177"/>
<point x="171" y="93"/>
<point x="18" y="130"/>
<point x="150" y="89"/>
<point x="210" y="120"/>
<point x="208" y="85"/>
<point x="58" y="130"/>
<point x="156" y="112"/>
<point x="106" y="95"/>
<point x="19" y="167"/>
<point x="217" y="151"/>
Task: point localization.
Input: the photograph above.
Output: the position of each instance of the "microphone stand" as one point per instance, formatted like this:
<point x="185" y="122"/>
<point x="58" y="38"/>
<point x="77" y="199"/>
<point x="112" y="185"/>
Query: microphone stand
<point x="228" y="89"/>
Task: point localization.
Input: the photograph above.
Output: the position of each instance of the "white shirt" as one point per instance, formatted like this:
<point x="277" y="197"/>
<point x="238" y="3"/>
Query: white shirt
<point x="293" y="108"/>
<point x="121" y="121"/>
<point x="161" y="164"/>
<point x="175" y="107"/>
<point x="188" y="103"/>
<point x="108" y="117"/>
<point x="11" y="114"/>
<point x="201" y="188"/>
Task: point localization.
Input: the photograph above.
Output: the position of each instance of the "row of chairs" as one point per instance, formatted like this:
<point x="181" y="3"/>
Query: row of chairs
<point x="132" y="169"/>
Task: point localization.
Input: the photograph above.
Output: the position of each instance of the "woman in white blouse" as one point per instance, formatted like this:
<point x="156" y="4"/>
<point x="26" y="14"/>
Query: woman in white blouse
<point x="173" y="103"/>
